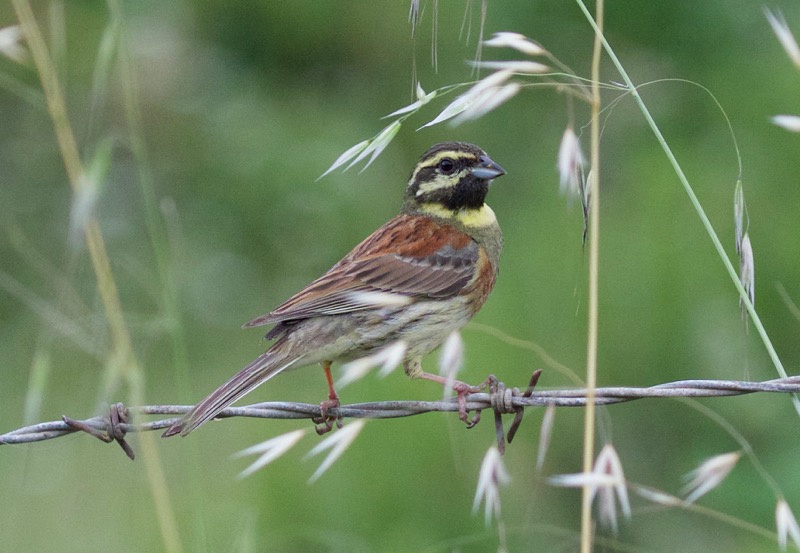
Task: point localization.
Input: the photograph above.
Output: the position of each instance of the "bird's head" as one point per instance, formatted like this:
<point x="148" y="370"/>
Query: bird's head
<point x="450" y="181"/>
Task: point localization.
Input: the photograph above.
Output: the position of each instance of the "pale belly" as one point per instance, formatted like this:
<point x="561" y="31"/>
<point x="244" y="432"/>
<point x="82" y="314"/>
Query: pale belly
<point x="421" y="326"/>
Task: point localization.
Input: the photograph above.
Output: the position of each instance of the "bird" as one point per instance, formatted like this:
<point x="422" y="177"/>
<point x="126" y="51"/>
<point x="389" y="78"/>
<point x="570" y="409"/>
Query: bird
<point x="416" y="279"/>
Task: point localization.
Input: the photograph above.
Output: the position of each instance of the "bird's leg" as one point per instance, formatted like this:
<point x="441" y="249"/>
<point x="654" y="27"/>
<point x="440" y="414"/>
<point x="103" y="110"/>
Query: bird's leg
<point x="462" y="389"/>
<point x="325" y="422"/>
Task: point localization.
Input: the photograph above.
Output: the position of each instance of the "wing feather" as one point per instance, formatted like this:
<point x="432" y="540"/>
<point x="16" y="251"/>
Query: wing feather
<point x="427" y="259"/>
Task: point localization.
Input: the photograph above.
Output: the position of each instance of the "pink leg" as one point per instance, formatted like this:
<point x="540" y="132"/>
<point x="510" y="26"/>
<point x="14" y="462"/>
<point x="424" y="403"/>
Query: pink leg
<point x="325" y="422"/>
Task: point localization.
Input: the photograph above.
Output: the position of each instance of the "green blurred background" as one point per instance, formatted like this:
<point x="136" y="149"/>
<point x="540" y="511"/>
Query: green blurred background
<point x="243" y="105"/>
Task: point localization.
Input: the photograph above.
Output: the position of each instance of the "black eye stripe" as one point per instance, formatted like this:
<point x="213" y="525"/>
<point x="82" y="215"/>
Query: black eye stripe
<point x="425" y="174"/>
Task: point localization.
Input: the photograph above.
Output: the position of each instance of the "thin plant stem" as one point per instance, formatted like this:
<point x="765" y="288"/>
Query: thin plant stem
<point x="95" y="244"/>
<point x="594" y="267"/>
<point x="695" y="203"/>
<point x="159" y="242"/>
<point x="747" y="448"/>
<point x="155" y="227"/>
<point x="122" y="362"/>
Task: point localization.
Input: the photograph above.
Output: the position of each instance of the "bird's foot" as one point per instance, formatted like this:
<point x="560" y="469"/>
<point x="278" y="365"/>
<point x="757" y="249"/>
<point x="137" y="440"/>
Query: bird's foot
<point x="325" y="422"/>
<point x="462" y="390"/>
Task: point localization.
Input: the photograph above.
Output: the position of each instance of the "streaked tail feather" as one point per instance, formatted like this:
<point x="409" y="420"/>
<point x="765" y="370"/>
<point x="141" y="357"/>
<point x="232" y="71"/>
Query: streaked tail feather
<point x="264" y="367"/>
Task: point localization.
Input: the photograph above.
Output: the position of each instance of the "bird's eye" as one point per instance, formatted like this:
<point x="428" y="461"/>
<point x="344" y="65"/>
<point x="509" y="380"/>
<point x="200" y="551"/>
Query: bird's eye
<point x="447" y="166"/>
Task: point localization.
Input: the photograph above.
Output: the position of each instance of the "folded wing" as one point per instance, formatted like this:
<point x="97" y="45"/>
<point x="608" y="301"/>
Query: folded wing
<point x="429" y="260"/>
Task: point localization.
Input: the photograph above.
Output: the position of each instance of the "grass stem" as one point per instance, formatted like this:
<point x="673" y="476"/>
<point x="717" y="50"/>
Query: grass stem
<point x="594" y="268"/>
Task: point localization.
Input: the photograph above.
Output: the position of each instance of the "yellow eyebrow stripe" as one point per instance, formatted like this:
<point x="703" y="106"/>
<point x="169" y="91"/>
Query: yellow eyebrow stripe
<point x="446" y="153"/>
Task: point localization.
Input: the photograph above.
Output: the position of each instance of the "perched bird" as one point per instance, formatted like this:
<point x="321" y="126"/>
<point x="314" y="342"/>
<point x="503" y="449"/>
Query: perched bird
<point x="417" y="278"/>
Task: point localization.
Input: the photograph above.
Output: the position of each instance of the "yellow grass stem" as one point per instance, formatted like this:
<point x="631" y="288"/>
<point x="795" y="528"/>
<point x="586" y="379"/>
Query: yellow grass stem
<point x="122" y="359"/>
<point x="594" y="266"/>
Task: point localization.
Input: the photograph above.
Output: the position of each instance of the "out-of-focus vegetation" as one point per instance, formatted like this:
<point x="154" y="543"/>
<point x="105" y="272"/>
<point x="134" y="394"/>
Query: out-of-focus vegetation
<point x="242" y="106"/>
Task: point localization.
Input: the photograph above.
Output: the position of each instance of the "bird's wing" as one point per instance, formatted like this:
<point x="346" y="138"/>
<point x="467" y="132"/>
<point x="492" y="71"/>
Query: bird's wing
<point x="408" y="258"/>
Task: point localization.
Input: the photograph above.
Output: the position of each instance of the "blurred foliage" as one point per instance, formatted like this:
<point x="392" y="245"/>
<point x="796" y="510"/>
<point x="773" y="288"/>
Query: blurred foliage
<point x="243" y="105"/>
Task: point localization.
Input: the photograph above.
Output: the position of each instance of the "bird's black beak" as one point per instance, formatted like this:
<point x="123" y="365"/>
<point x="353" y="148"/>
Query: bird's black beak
<point x="488" y="169"/>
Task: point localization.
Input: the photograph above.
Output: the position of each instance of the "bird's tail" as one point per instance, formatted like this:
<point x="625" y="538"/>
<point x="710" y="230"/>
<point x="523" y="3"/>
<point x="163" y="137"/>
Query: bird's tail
<point x="264" y="367"/>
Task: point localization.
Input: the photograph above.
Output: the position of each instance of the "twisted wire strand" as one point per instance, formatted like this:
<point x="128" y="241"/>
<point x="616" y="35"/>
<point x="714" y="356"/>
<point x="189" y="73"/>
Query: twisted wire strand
<point x="109" y="428"/>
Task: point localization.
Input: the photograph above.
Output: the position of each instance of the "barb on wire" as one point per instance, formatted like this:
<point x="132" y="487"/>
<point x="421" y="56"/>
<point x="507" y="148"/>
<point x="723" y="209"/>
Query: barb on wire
<point x="113" y="425"/>
<point x="117" y="416"/>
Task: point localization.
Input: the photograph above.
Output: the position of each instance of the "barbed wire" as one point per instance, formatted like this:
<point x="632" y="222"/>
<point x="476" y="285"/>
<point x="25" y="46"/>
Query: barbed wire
<point x="114" y="425"/>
